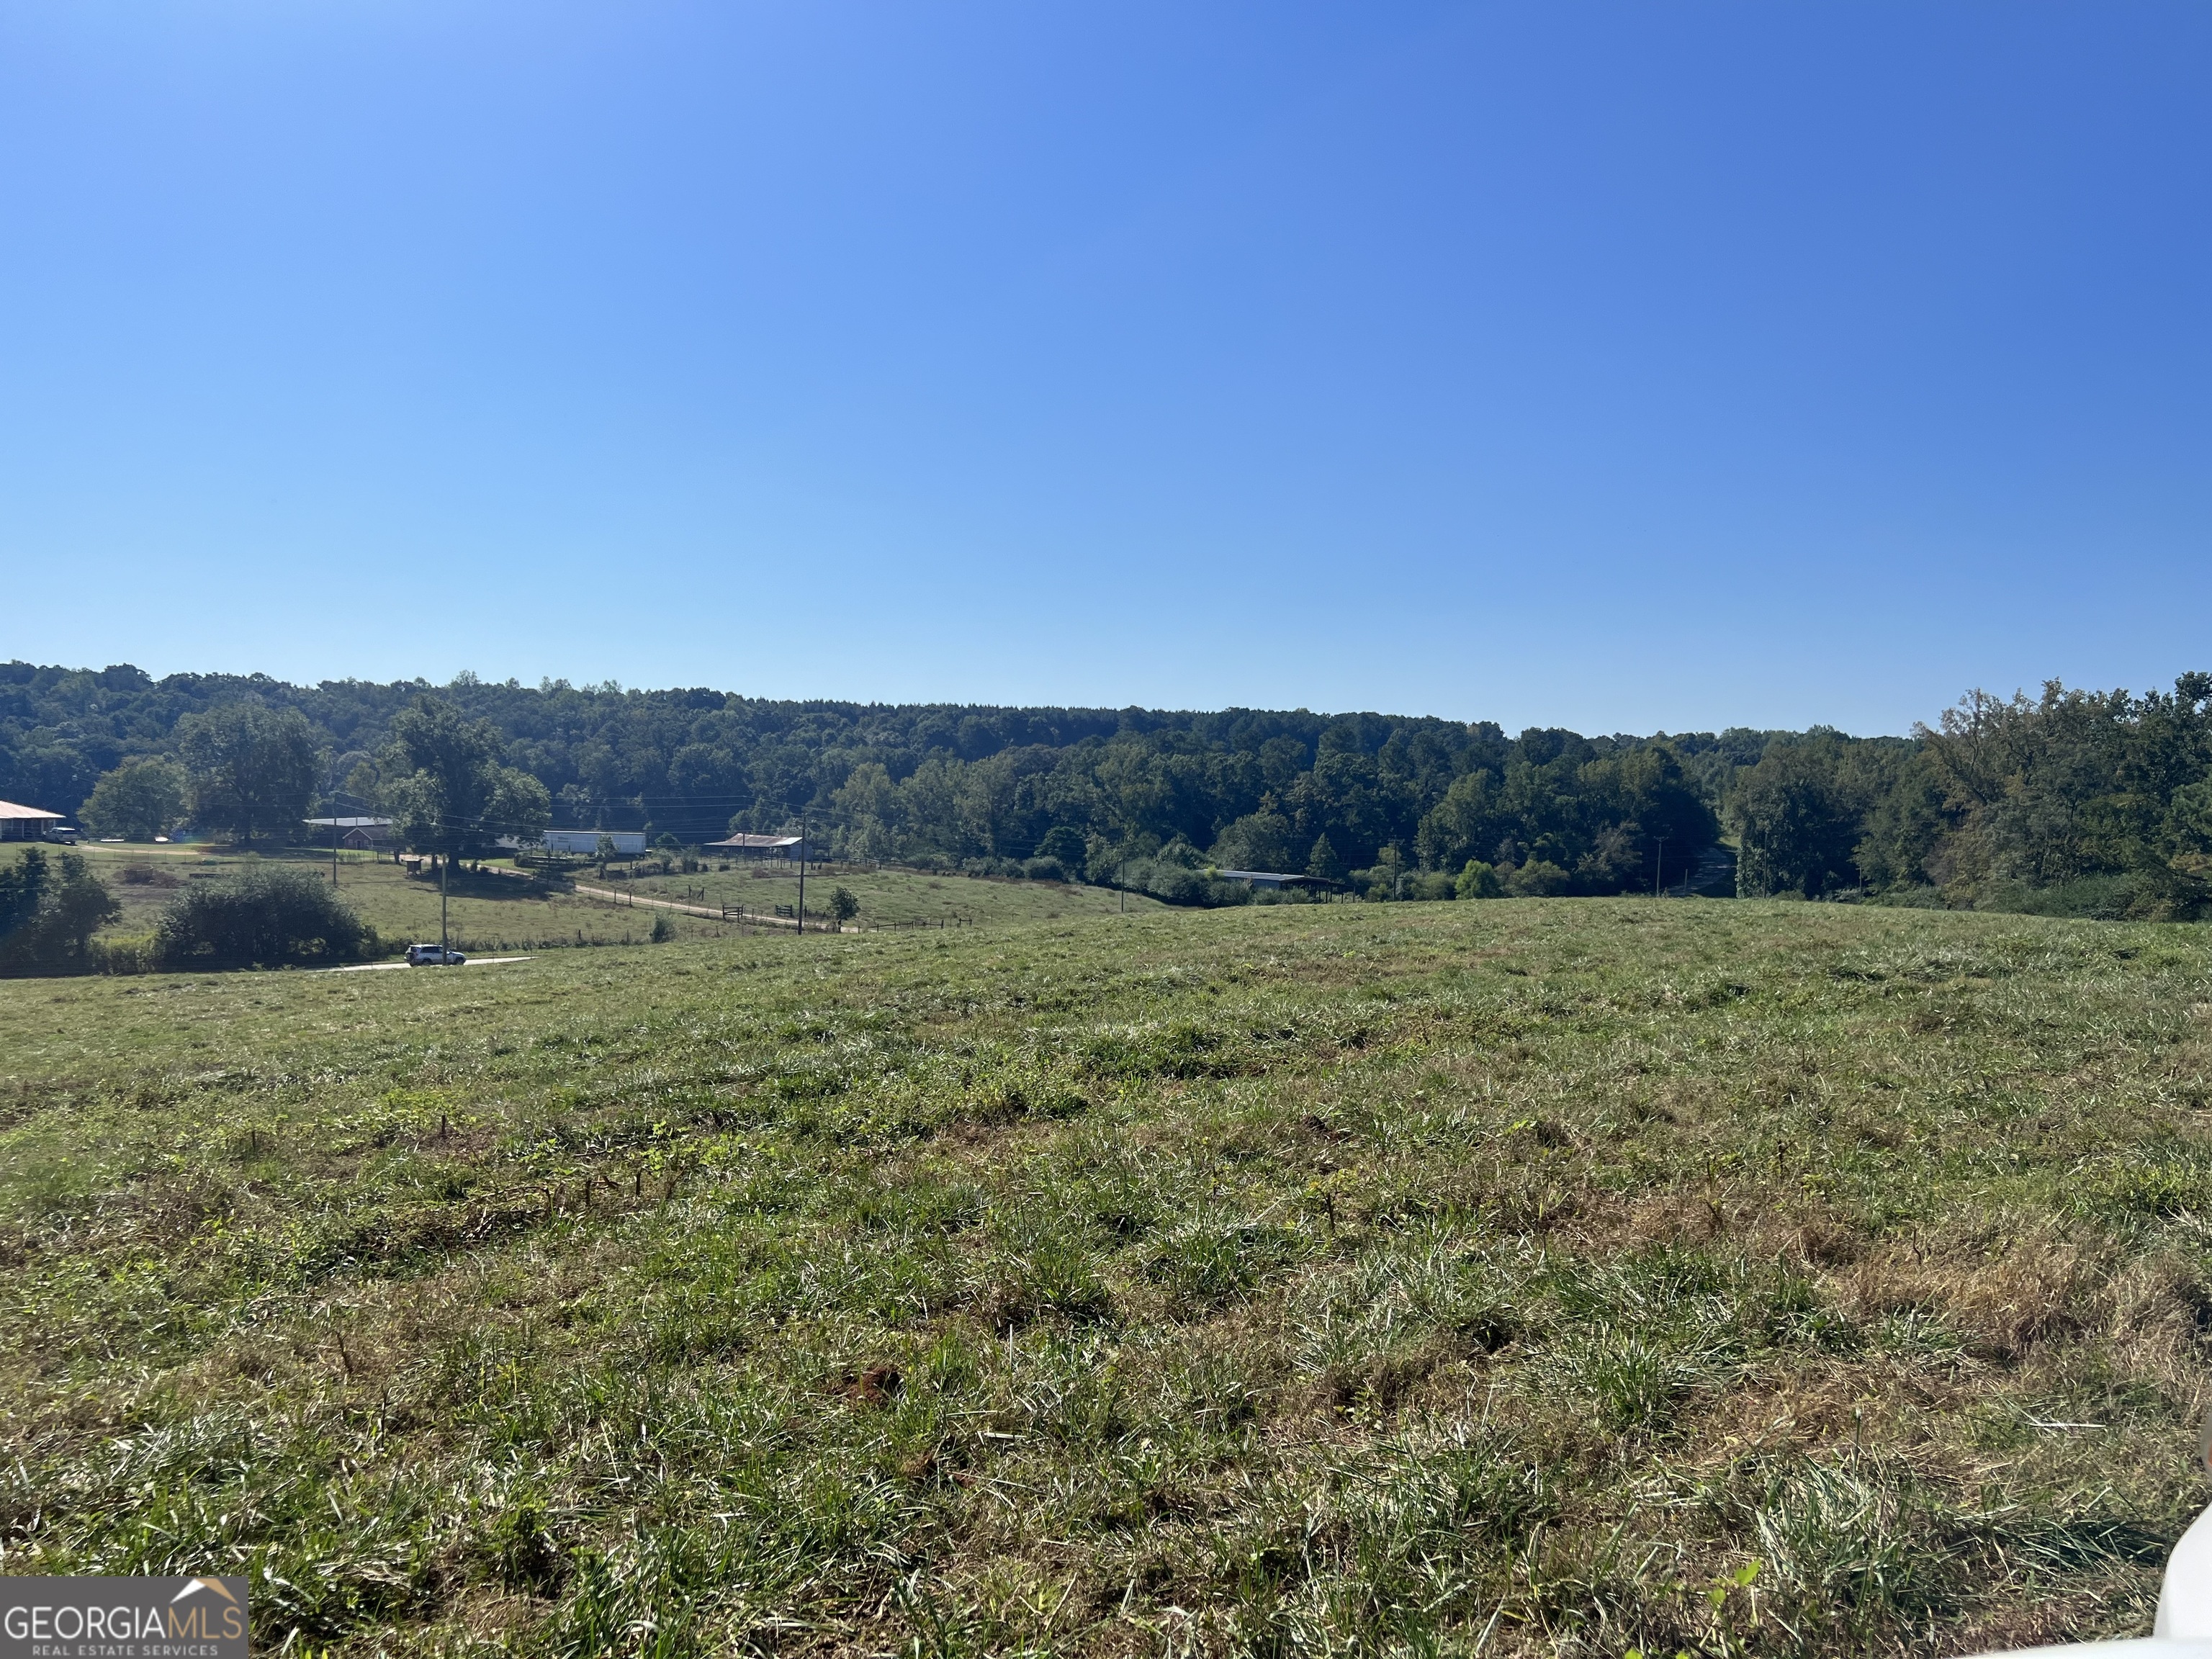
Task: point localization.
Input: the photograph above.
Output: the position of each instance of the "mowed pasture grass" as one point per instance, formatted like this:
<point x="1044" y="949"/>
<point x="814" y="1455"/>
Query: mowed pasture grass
<point x="1549" y="1276"/>
<point x="890" y="898"/>
<point x="486" y="912"/>
<point x="500" y="911"/>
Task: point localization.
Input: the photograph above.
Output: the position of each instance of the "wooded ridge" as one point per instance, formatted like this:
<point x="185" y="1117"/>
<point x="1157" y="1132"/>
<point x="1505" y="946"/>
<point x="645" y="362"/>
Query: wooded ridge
<point x="2074" y="802"/>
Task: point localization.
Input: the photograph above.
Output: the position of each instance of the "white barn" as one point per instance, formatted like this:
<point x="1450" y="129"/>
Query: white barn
<point x="629" y="843"/>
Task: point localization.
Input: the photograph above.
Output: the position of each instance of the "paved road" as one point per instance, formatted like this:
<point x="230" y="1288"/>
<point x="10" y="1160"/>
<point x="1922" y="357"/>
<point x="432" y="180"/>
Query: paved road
<point x="378" y="966"/>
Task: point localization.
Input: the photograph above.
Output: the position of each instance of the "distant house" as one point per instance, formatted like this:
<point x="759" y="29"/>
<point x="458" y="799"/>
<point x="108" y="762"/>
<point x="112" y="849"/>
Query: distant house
<point x="1260" y="878"/>
<point x="762" y="847"/>
<point x="358" y="834"/>
<point x="29" y="823"/>
<point x="629" y="843"/>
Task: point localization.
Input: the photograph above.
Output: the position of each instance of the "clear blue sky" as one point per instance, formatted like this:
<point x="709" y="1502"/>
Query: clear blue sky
<point x="1624" y="367"/>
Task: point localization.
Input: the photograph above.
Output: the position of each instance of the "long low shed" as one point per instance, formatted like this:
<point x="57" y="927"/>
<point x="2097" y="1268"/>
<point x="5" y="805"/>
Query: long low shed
<point x="629" y="843"/>
<point x="761" y="847"/>
<point x="26" y="823"/>
<point x="359" y="834"/>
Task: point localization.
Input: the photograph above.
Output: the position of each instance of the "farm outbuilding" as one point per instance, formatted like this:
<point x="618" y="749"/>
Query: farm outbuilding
<point x="1261" y="879"/>
<point x="27" y="822"/>
<point x="356" y="835"/>
<point x="762" y="847"/>
<point x="629" y="843"/>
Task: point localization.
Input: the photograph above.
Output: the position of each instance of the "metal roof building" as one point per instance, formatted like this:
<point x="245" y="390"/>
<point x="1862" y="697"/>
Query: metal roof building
<point x="761" y="847"/>
<point x="362" y="835"/>
<point x="26" y="823"/>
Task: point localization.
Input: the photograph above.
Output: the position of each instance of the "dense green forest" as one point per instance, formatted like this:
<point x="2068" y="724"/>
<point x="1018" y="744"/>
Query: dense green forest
<point x="2081" y="802"/>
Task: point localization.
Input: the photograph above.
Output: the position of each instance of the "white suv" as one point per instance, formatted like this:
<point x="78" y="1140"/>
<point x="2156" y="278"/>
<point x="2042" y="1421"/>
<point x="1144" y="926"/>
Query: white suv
<point x="431" y="955"/>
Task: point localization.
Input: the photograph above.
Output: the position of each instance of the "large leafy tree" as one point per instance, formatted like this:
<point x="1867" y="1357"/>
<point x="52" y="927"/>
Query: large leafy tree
<point x="138" y="800"/>
<point x="2078" y="784"/>
<point x="1796" y="825"/>
<point x="252" y="769"/>
<point x="447" y="790"/>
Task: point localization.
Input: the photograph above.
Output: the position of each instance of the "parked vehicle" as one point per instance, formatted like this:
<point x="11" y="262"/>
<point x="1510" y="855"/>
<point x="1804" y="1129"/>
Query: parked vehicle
<point x="433" y="955"/>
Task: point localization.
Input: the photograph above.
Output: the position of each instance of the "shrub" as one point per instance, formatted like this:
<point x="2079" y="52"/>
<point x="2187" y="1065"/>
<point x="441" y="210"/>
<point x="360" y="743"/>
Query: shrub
<point x="264" y="918"/>
<point x="1165" y="877"/>
<point x="1479" y="881"/>
<point x="48" y="914"/>
<point x="1538" y="878"/>
<point x="663" y="929"/>
<point x="2094" y="898"/>
<point x="133" y="955"/>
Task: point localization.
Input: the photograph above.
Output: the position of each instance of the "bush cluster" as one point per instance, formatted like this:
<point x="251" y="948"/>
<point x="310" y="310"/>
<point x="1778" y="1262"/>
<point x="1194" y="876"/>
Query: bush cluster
<point x="48" y="910"/>
<point x="267" y="917"/>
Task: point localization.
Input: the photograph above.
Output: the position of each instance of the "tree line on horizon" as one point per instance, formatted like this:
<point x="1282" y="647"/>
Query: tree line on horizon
<point x="2077" y="802"/>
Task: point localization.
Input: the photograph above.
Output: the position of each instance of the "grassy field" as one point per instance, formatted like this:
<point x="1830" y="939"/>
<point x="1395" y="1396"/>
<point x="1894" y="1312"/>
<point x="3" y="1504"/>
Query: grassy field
<point x="893" y="898"/>
<point x="490" y="912"/>
<point x="1556" y="1277"/>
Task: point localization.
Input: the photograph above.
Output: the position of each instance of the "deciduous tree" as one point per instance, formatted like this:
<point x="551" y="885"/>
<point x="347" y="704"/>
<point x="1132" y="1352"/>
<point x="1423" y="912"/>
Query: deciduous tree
<point x="252" y="769"/>
<point x="138" y="800"/>
<point x="446" y="790"/>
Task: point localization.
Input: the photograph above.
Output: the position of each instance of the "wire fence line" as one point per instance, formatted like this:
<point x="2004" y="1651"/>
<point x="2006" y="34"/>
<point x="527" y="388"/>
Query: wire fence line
<point x="739" y="914"/>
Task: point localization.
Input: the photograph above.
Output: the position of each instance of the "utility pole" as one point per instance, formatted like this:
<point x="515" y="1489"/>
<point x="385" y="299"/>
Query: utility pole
<point x="802" y="877"/>
<point x="1661" y="866"/>
<point x="445" y="870"/>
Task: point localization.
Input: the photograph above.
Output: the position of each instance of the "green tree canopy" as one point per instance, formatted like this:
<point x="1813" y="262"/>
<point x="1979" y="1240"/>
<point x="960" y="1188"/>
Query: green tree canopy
<point x="446" y="789"/>
<point x="1796" y="826"/>
<point x="1265" y="840"/>
<point x="138" y="800"/>
<point x="49" y="911"/>
<point x="1321" y="863"/>
<point x="2073" y="785"/>
<point x="252" y="769"/>
<point x="265" y="917"/>
<point x="2008" y="797"/>
<point x="1063" y="842"/>
<point x="1478" y="880"/>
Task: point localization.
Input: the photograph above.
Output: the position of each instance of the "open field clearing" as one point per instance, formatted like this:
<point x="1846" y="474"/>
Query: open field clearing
<point x="499" y="912"/>
<point x="890" y="897"/>
<point x="489" y="912"/>
<point x="1528" y="1277"/>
